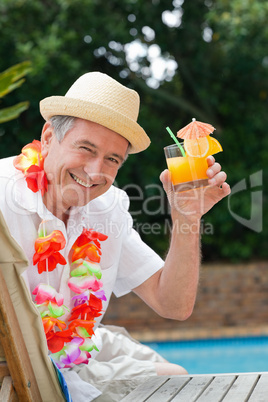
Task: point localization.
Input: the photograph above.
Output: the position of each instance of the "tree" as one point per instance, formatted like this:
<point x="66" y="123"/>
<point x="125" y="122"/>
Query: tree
<point x="11" y="79"/>
<point x="213" y="67"/>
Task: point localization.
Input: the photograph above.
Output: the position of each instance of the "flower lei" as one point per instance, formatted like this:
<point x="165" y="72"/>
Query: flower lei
<point x="31" y="163"/>
<point x="72" y="345"/>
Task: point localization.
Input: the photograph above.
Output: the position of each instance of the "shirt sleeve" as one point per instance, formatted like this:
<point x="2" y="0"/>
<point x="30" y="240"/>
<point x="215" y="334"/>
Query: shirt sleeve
<point x="138" y="262"/>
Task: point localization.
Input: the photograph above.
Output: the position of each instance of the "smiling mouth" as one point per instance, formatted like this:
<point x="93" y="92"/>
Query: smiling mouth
<point x="81" y="182"/>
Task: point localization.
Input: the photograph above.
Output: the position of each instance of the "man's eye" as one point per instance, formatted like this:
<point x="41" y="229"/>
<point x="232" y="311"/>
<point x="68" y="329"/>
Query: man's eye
<point x="86" y="149"/>
<point x="114" y="160"/>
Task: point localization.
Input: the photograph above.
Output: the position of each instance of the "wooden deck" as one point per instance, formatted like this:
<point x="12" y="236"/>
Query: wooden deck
<point x="250" y="387"/>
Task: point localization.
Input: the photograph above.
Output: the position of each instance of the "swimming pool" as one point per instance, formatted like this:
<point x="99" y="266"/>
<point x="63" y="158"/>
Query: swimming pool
<point x="231" y="355"/>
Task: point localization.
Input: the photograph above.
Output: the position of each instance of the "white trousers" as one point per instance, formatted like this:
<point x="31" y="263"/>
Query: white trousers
<point x="121" y="365"/>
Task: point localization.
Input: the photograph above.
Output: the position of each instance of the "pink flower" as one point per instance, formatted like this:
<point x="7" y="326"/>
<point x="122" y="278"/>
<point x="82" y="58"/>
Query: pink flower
<point x="82" y="283"/>
<point x="71" y="352"/>
<point x="45" y="293"/>
<point x="51" y="309"/>
<point x="81" y="298"/>
<point x="83" y="358"/>
<point x="100" y="294"/>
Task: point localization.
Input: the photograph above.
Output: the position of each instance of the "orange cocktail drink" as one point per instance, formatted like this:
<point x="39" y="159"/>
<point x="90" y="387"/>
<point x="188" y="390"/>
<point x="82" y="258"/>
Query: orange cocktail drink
<point x="187" y="172"/>
<point x="185" y="169"/>
<point x="187" y="161"/>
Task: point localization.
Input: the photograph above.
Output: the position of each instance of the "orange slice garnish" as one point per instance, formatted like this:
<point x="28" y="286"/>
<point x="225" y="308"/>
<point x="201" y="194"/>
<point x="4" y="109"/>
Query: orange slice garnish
<point x="197" y="148"/>
<point x="202" y="147"/>
<point x="214" y="146"/>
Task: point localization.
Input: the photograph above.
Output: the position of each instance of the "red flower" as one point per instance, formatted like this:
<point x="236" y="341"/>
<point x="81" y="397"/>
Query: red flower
<point x="88" y="310"/>
<point x="30" y="155"/>
<point x="47" y="251"/>
<point x="83" y="310"/>
<point x="52" y="262"/>
<point x="49" y="323"/>
<point x="31" y="163"/>
<point x="56" y="340"/>
<point x="89" y="235"/>
<point x="89" y="250"/>
<point x="83" y="247"/>
<point x="82" y="328"/>
<point x="36" y="179"/>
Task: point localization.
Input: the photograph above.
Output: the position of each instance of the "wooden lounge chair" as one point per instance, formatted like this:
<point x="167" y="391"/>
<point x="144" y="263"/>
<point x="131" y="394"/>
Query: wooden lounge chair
<point x="26" y="371"/>
<point x="16" y="372"/>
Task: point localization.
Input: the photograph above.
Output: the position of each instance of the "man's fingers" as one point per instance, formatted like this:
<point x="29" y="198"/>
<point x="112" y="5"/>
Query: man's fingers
<point x="218" y="179"/>
<point x="213" y="170"/>
<point x="165" y="176"/>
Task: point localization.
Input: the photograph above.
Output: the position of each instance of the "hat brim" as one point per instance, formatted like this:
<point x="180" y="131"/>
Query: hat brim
<point x="115" y="121"/>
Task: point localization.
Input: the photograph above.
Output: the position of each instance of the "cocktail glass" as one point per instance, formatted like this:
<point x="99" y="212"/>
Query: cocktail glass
<point x="187" y="172"/>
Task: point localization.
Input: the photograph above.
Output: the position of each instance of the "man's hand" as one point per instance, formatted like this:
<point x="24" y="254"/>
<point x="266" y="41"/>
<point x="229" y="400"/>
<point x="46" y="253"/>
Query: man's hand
<point x="194" y="203"/>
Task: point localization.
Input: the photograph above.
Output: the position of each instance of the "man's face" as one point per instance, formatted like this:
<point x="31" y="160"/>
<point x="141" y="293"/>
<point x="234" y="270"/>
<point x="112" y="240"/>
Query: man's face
<point x="83" y="166"/>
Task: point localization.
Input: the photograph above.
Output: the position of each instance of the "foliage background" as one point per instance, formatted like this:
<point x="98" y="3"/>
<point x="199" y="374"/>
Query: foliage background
<point x="219" y="49"/>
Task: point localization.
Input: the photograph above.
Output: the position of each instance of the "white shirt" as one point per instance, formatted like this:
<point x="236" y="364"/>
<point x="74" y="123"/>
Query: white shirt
<point x="126" y="261"/>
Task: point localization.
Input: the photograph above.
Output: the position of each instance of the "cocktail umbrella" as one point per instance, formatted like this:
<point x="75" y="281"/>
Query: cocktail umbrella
<point x="195" y="129"/>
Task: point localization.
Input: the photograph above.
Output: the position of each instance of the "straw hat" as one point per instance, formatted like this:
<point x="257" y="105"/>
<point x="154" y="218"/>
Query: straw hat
<point x="99" y="98"/>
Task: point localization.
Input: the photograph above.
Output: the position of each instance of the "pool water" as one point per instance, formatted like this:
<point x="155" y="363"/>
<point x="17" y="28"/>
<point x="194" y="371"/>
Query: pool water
<point x="231" y="355"/>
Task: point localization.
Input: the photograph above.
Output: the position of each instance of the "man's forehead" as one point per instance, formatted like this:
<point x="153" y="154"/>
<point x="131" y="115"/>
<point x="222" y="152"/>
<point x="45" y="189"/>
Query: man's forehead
<point x="96" y="147"/>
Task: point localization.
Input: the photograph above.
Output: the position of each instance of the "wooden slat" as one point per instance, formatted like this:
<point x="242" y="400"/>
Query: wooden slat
<point x="2" y="354"/>
<point x="15" y="350"/>
<point x="4" y="371"/>
<point x="260" y="393"/>
<point x="245" y="387"/>
<point x="217" y="389"/>
<point x="242" y="388"/>
<point x="194" y="388"/>
<point x="169" y="389"/>
<point x="7" y="393"/>
<point x="146" y="389"/>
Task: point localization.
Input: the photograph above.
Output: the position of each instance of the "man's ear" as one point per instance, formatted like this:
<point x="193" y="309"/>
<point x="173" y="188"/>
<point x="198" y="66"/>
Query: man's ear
<point x="46" y="138"/>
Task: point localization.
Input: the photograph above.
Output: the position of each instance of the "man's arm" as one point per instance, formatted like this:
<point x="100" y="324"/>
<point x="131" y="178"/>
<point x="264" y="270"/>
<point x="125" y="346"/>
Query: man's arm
<point x="171" y="291"/>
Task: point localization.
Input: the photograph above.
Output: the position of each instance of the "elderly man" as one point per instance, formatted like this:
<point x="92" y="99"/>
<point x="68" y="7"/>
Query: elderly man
<point x="60" y="204"/>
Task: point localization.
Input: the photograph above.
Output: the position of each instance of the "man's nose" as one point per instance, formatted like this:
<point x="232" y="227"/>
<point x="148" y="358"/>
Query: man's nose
<point x="94" y="169"/>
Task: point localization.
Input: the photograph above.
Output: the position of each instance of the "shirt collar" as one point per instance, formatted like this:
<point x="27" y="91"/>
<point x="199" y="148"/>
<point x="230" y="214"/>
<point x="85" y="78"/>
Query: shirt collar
<point x="33" y="202"/>
<point x="29" y="200"/>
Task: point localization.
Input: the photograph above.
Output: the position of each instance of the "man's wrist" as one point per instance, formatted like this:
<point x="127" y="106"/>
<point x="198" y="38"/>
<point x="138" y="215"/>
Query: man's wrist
<point x="186" y="225"/>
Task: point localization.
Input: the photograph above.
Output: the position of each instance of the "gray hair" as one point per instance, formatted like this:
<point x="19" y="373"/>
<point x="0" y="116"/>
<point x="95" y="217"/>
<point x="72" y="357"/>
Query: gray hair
<point x="61" y="125"/>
